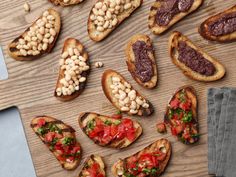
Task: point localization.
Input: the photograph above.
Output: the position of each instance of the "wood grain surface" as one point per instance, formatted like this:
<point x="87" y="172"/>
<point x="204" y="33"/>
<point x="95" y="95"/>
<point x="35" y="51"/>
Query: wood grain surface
<point x="31" y="84"/>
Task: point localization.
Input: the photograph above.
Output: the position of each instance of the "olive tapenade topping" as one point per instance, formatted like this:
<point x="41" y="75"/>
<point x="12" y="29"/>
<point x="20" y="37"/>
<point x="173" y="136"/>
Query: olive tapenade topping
<point x="195" y="60"/>
<point x="143" y="64"/>
<point x="169" y="8"/>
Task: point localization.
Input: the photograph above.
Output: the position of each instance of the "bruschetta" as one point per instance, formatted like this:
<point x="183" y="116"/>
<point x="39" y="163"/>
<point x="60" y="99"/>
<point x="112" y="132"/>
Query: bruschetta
<point x="141" y="61"/>
<point x="181" y="115"/>
<point x="220" y="27"/>
<point x="165" y="13"/>
<point x="106" y="15"/>
<point x="123" y="96"/>
<point x="149" y="162"/>
<point x="108" y="131"/>
<point x="93" y="167"/>
<point x="60" y="139"/>
<point x="73" y="72"/>
<point x="38" y="39"/>
<point x="192" y="60"/>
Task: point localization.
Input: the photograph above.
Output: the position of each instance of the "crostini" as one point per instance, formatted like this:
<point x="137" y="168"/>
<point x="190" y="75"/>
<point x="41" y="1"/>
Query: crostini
<point x="73" y="72"/>
<point x="165" y="13"/>
<point x="106" y="15"/>
<point x="66" y="2"/>
<point x="38" y="39"/>
<point x="108" y="131"/>
<point x="220" y="27"/>
<point x="150" y="161"/>
<point x="93" y="167"/>
<point x="123" y="96"/>
<point x="181" y="115"/>
<point x="60" y="139"/>
<point x="141" y="62"/>
<point x="192" y="60"/>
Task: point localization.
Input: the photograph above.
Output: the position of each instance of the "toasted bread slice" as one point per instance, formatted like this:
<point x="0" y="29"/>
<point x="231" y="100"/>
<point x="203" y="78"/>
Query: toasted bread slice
<point x="75" y="44"/>
<point x="144" y="109"/>
<point x="15" y="53"/>
<point x="45" y="126"/>
<point x="119" y="169"/>
<point x="64" y="3"/>
<point x="131" y="60"/>
<point x="204" y="27"/>
<point x="157" y="29"/>
<point x="94" y="162"/>
<point x="96" y="35"/>
<point x="187" y="105"/>
<point x="86" y="118"/>
<point x="174" y="40"/>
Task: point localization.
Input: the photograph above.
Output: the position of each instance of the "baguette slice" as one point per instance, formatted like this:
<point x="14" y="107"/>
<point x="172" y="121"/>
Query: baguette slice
<point x="86" y="118"/>
<point x="15" y="53"/>
<point x="174" y="40"/>
<point x="71" y="42"/>
<point x="162" y="145"/>
<point x="63" y="3"/>
<point x="65" y="131"/>
<point x="106" y="85"/>
<point x="204" y="27"/>
<point x="185" y="93"/>
<point x="156" y="29"/>
<point x="130" y="60"/>
<point x="97" y="36"/>
<point x="95" y="164"/>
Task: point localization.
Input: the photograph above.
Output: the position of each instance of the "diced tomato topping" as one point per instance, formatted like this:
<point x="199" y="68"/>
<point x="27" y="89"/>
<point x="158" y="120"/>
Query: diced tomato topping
<point x="94" y="171"/>
<point x="186" y="136"/>
<point x="174" y="103"/>
<point x="130" y="134"/>
<point x="70" y="159"/>
<point x="161" y="128"/>
<point x="179" y="129"/>
<point x="50" y="136"/>
<point x="173" y="131"/>
<point x="100" y="175"/>
<point x="61" y="158"/>
<point x="41" y="122"/>
<point x="185" y="106"/>
<point x="75" y="149"/>
<point x="114" y="130"/>
<point x="98" y="129"/>
<point x="128" y="123"/>
<point x="160" y="156"/>
<point x="117" y="116"/>
<point x="59" y="136"/>
<point x="148" y="160"/>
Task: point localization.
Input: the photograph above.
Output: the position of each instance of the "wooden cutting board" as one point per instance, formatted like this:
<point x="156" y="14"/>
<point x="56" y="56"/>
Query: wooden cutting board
<point x="31" y="84"/>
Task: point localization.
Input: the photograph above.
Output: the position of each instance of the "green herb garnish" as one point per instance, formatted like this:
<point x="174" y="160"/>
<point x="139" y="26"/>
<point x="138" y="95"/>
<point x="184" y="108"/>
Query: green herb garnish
<point x="91" y="124"/>
<point x="108" y="122"/>
<point x="182" y="96"/>
<point x="41" y="130"/>
<point x="195" y="136"/>
<point x="117" y="122"/>
<point x="187" y="117"/>
<point x="68" y="141"/>
<point x="128" y="175"/>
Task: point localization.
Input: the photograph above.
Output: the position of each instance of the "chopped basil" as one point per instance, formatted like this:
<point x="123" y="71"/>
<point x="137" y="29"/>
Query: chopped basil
<point x="152" y="171"/>
<point x="117" y="122"/>
<point x="171" y="113"/>
<point x="187" y="117"/>
<point x="91" y="124"/>
<point x="54" y="128"/>
<point x="108" y="122"/>
<point x="129" y="175"/>
<point x="118" y="112"/>
<point x="195" y="136"/>
<point x="68" y="141"/>
<point x="41" y="130"/>
<point x="146" y="170"/>
<point x="182" y="96"/>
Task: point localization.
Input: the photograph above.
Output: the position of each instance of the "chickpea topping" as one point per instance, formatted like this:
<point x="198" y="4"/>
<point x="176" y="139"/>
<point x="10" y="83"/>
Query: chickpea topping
<point x="26" y="7"/>
<point x="99" y="64"/>
<point x="39" y="36"/>
<point x="127" y="97"/>
<point x="73" y="64"/>
<point x="105" y="14"/>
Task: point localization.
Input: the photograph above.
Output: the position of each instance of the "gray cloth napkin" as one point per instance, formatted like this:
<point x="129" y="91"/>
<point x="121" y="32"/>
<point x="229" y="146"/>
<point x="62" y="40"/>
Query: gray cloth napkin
<point x="221" y="130"/>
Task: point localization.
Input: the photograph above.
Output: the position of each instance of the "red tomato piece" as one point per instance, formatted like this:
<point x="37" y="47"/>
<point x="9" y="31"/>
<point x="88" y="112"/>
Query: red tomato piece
<point x="128" y="123"/>
<point x="59" y="136"/>
<point x="130" y="134"/>
<point x="179" y="129"/>
<point x="41" y="122"/>
<point x="75" y="149"/>
<point x="114" y="130"/>
<point x="185" y="106"/>
<point x="174" y="103"/>
<point x="160" y="156"/>
<point x="50" y="136"/>
<point x="161" y="127"/>
<point x="117" y="116"/>
<point x="100" y="175"/>
<point x="61" y="158"/>
<point x="173" y="131"/>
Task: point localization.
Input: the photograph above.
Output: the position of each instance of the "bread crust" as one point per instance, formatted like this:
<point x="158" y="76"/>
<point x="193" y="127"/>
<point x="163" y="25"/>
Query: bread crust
<point x="99" y="36"/>
<point x="62" y="3"/>
<point x="15" y="54"/>
<point x="156" y="29"/>
<point x="174" y="39"/>
<point x="204" y="32"/>
<point x="94" y="159"/>
<point x="71" y="42"/>
<point x="106" y="82"/>
<point x="192" y="95"/>
<point x="69" y="133"/>
<point x="119" y="144"/>
<point x="130" y="60"/>
<point x="118" y="167"/>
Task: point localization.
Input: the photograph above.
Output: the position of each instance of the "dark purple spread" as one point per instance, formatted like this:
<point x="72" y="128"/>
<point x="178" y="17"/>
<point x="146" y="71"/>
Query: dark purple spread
<point x="143" y="64"/>
<point x="194" y="60"/>
<point x="224" y="25"/>
<point x="169" y="8"/>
